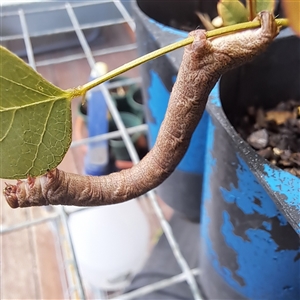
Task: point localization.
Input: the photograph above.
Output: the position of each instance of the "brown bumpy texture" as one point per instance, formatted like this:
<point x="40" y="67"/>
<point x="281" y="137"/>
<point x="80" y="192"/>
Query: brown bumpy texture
<point x="202" y="65"/>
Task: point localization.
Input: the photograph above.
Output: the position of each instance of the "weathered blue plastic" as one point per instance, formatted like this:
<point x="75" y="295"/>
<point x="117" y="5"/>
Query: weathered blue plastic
<point x="250" y="210"/>
<point x="97" y="157"/>
<point x="248" y="249"/>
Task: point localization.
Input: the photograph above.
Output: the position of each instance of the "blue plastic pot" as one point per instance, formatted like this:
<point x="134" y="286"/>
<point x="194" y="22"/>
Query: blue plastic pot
<point x="250" y="210"/>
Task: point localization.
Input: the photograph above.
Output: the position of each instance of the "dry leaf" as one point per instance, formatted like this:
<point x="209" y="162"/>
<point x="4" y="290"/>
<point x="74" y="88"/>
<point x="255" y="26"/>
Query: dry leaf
<point x="205" y="19"/>
<point x="279" y="117"/>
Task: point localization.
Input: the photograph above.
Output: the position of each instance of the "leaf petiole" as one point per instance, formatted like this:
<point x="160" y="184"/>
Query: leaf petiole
<point x="134" y="63"/>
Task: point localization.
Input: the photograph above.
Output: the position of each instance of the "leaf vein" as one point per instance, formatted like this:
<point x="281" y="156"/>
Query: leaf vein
<point x="41" y="137"/>
<point x="9" y="127"/>
<point x="26" y="87"/>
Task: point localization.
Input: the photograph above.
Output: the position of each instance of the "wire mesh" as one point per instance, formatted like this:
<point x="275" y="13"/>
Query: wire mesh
<point x="59" y="217"/>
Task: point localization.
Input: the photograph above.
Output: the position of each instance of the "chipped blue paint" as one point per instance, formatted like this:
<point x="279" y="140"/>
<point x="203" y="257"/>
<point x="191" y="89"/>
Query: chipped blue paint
<point x="259" y="265"/>
<point x="259" y="240"/>
<point x="247" y="191"/>
<point x="214" y="97"/>
<point x="284" y="183"/>
<point x="158" y="101"/>
<point x="282" y="219"/>
<point x="267" y="225"/>
<point x="298" y="230"/>
<point x="264" y="271"/>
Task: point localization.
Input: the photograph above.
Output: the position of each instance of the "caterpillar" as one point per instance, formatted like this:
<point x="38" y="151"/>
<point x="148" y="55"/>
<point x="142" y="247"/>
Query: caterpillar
<point x="203" y="62"/>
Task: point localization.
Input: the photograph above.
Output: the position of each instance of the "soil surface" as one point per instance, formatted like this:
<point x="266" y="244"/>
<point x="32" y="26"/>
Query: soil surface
<point x="274" y="134"/>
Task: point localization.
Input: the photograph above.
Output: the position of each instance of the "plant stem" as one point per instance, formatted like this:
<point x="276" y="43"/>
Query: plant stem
<point x="134" y="63"/>
<point x="251" y="7"/>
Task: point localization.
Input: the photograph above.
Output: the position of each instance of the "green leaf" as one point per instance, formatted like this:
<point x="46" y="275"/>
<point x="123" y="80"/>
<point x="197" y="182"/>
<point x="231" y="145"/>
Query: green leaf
<point x="232" y="12"/>
<point x="268" y="5"/>
<point x="35" y="120"/>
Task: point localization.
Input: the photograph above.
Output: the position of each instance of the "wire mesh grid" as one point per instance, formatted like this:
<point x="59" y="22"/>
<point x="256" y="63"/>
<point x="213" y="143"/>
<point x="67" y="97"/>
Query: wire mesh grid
<point x="58" y="217"/>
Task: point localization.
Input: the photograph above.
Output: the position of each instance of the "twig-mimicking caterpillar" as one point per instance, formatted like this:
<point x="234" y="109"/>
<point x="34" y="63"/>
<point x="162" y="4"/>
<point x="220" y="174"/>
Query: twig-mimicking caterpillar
<point x="202" y="65"/>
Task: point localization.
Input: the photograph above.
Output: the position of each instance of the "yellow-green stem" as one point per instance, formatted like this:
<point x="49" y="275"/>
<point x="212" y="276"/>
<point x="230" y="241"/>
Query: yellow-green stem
<point x="212" y="33"/>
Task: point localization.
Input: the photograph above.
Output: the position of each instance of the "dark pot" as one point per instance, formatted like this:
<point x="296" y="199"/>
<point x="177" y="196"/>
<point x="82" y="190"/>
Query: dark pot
<point x="250" y="210"/>
<point x="248" y="247"/>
